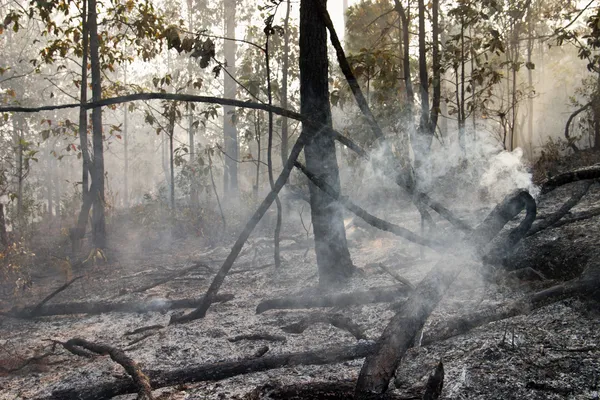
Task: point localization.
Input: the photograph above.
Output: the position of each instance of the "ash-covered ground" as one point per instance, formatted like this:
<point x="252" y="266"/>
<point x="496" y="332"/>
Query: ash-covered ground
<point x="551" y="353"/>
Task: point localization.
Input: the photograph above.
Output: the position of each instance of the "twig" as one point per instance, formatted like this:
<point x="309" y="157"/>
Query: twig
<point x="396" y="276"/>
<point x="258" y="336"/>
<point x="170" y="277"/>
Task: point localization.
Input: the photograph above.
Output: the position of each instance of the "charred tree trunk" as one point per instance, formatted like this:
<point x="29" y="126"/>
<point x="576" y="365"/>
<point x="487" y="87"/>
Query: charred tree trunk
<point x="333" y="257"/>
<point x="98" y="219"/>
<point x="3" y="233"/>
<point x="284" y="82"/>
<point x="437" y="68"/>
<point x="424" y="82"/>
<point x="230" y="179"/>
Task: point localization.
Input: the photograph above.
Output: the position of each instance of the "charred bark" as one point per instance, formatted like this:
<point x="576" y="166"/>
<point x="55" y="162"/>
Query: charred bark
<point x="333" y="258"/>
<point x="215" y="372"/>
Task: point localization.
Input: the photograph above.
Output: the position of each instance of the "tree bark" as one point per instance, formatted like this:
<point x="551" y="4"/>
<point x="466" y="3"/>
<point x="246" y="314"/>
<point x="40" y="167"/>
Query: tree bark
<point x="230" y="179"/>
<point x="333" y="257"/>
<point x="98" y="218"/>
<point x="284" y="82"/>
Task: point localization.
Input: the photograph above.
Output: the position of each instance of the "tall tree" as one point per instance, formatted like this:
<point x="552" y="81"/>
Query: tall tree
<point x="284" y="81"/>
<point x="333" y="257"/>
<point x="98" y="220"/>
<point x="230" y="177"/>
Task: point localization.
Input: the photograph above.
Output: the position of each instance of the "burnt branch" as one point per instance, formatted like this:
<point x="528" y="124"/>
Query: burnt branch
<point x="377" y="295"/>
<point x="338" y="320"/>
<point x="36" y="310"/>
<point x="258" y="336"/>
<point x="140" y="380"/>
<point x="564" y="209"/>
<point x="215" y="371"/>
<point x="568" y="124"/>
<point x="170" y="277"/>
<point x="580" y="174"/>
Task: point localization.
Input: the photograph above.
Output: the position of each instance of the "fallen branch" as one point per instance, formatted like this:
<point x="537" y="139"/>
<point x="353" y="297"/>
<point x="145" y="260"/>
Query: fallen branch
<point x="587" y="284"/>
<point x="258" y="336"/>
<point x="140" y="380"/>
<point x="564" y="209"/>
<point x="401" y="331"/>
<point x="377" y="295"/>
<point x="35" y="311"/>
<point x="435" y="383"/>
<point x="154" y="305"/>
<point x="170" y="277"/>
<point x="568" y="124"/>
<point x="215" y="372"/>
<point x="341" y="390"/>
<point x="338" y="320"/>
<point x="576" y="217"/>
<point x="395" y="275"/>
<point x="580" y="174"/>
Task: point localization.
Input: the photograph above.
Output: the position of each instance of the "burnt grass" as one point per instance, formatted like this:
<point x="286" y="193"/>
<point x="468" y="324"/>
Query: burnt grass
<point x="550" y="353"/>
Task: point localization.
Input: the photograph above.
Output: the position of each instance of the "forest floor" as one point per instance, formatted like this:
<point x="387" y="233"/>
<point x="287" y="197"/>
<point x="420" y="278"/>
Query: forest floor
<point x="551" y="353"/>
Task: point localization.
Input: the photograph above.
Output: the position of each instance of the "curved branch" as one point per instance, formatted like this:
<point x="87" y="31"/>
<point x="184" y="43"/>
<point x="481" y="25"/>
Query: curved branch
<point x="571" y="118"/>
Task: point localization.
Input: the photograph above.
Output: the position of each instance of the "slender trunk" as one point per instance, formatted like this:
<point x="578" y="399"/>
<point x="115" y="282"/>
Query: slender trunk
<point x="18" y="133"/>
<point x="58" y="193"/>
<point x="126" y="149"/>
<point x="437" y="68"/>
<point x="333" y="257"/>
<point x="3" y="233"/>
<point x="277" y="256"/>
<point x="530" y="83"/>
<point x="424" y="80"/>
<point x="49" y="198"/>
<point x="78" y="232"/>
<point x="462" y="114"/>
<point x="258" y="149"/>
<point x="171" y="156"/>
<point x="284" y="82"/>
<point x="596" y="113"/>
<point x="229" y="85"/>
<point x="194" y="196"/>
<point x="404" y="18"/>
<point x="98" y="218"/>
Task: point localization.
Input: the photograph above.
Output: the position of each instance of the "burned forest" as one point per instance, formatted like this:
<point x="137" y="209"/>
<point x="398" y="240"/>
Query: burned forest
<point x="357" y="199"/>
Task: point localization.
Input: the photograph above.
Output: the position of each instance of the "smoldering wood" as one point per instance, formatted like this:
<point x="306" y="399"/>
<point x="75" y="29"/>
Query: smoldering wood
<point x="215" y="371"/>
<point x="155" y="305"/>
<point x="375" y="295"/>
<point x="35" y="311"/>
<point x="336" y="319"/>
<point x="401" y="331"/>
<point x="140" y="380"/>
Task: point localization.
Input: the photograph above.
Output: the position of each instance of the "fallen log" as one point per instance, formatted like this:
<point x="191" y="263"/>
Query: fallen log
<point x="580" y="174"/>
<point x="214" y="372"/>
<point x="401" y="331"/>
<point x="338" y="320"/>
<point x="343" y="390"/>
<point x="154" y="305"/>
<point x="140" y="380"/>
<point x="576" y="217"/>
<point x="376" y="295"/>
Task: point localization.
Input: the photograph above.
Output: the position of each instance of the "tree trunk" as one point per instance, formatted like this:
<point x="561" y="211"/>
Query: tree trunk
<point x="437" y="68"/>
<point x="126" y="149"/>
<point x="78" y="232"/>
<point x="333" y="257"/>
<point x="194" y="196"/>
<point x="98" y="220"/>
<point x="284" y="82"/>
<point x="229" y="85"/>
<point x="3" y="233"/>
<point x="424" y="83"/>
